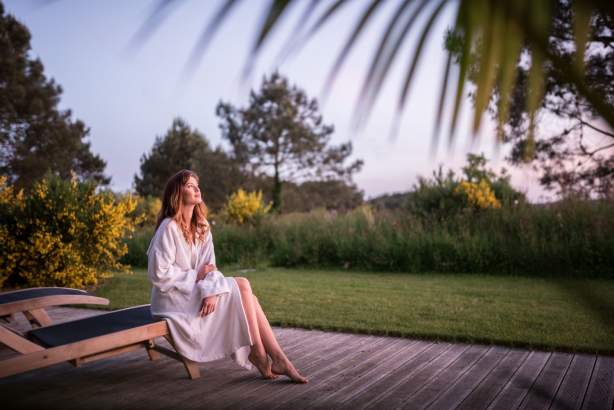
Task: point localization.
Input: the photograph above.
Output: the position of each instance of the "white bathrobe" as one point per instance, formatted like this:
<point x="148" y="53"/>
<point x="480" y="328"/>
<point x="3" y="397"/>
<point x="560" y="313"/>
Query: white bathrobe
<point x="176" y="296"/>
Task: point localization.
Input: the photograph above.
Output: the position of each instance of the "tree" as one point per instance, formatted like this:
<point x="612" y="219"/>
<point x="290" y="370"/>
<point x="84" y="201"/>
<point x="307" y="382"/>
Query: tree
<point x="185" y="148"/>
<point x="281" y="132"/>
<point x="333" y="194"/>
<point x="569" y="160"/>
<point x="35" y="136"/>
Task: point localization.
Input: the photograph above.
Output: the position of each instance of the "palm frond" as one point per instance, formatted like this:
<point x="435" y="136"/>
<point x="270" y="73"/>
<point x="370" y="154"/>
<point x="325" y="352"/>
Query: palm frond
<point x="207" y="34"/>
<point x="358" y="28"/>
<point x="381" y="64"/>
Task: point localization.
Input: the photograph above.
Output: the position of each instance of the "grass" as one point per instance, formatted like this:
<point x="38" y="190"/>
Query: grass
<point x="545" y="313"/>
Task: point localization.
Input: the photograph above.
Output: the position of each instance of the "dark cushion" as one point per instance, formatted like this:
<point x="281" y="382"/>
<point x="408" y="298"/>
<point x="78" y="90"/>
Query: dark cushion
<point x="81" y="329"/>
<point x="37" y="293"/>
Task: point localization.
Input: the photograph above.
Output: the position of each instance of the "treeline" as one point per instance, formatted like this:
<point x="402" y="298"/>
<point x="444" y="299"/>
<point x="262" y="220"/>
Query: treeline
<point x="221" y="174"/>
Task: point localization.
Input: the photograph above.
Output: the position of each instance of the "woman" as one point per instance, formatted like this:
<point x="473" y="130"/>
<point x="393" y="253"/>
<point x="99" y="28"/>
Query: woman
<point x="209" y="316"/>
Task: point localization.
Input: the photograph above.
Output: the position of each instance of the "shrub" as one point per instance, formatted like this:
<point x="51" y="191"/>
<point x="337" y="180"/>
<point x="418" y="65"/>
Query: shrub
<point x="244" y="207"/>
<point x="477" y="195"/>
<point x="61" y="233"/>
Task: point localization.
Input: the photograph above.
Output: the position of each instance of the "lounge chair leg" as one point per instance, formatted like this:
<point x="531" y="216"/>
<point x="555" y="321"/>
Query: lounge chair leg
<point x="192" y="368"/>
<point x="151" y="351"/>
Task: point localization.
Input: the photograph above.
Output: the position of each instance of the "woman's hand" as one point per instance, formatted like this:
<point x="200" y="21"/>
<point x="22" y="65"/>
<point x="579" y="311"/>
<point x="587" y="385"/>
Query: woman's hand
<point x="208" y="305"/>
<point x="204" y="271"/>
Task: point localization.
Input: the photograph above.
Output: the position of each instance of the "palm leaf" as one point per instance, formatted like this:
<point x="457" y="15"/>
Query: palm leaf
<point x="207" y="34"/>
<point x="358" y="28"/>
<point x="463" y="25"/>
<point x="272" y="16"/>
<point x="381" y="65"/>
<point x="512" y="42"/>
<point x="426" y="30"/>
<point x="291" y="44"/>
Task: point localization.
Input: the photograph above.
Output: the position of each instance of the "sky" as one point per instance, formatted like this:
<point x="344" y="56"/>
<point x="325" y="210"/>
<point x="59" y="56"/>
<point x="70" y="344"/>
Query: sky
<point x="128" y="95"/>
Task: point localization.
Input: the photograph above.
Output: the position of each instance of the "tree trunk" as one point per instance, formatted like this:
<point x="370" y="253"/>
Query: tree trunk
<point x="276" y="207"/>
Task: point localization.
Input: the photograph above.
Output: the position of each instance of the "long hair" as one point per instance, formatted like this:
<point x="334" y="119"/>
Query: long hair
<point x="171" y="206"/>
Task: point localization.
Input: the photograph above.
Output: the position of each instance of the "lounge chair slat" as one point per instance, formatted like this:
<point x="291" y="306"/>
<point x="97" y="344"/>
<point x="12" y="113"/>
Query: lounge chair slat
<point x="38" y="317"/>
<point x="16" y="342"/>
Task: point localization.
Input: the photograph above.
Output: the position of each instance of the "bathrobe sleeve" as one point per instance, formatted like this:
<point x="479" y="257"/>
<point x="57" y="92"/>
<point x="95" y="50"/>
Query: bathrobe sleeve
<point x="213" y="283"/>
<point x="163" y="272"/>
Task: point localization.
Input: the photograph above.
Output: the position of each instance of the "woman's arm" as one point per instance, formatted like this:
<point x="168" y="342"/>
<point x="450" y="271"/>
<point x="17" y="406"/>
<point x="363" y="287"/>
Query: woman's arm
<point x="213" y="283"/>
<point x="162" y="269"/>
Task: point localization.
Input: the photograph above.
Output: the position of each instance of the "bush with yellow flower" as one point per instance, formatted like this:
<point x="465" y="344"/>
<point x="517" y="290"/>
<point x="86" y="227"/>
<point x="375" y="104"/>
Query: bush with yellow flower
<point x="61" y="233"/>
<point x="245" y="207"/>
<point x="477" y="195"/>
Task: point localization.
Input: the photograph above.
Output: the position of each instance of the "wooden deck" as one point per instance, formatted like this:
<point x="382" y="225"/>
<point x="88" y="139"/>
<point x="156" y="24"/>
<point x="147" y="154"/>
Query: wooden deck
<point x="345" y="371"/>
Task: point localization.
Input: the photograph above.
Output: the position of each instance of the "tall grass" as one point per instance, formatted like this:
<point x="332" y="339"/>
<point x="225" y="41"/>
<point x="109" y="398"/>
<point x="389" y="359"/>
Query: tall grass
<point x="572" y="238"/>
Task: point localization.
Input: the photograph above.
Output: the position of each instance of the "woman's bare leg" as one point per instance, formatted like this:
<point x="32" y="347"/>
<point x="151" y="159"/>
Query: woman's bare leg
<point x="281" y="364"/>
<point x="257" y="355"/>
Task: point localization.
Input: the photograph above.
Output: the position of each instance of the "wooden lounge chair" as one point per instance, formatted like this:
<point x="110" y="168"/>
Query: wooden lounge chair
<point x="79" y="341"/>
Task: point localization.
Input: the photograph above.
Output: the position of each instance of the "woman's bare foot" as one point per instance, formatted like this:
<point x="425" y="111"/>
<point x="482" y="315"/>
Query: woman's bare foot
<point x="263" y="365"/>
<point x="284" y="367"/>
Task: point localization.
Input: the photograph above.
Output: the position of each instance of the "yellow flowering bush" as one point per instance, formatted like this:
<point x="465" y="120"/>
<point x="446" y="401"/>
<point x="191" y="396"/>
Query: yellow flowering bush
<point x="61" y="233"/>
<point x="244" y="207"/>
<point x="147" y="209"/>
<point x="478" y="195"/>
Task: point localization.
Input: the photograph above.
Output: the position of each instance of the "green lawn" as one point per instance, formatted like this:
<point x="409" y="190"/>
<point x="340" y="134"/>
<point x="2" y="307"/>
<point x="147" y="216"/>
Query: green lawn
<point x="532" y="312"/>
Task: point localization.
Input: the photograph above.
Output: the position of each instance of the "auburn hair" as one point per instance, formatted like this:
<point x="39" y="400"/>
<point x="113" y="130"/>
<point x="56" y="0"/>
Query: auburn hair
<point x="171" y="208"/>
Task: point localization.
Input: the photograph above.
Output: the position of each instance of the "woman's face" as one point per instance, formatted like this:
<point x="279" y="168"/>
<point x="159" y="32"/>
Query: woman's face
<point x="191" y="193"/>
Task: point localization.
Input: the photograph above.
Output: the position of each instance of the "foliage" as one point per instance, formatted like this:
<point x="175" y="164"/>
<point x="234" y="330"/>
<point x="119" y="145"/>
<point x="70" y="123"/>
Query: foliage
<point x="435" y="197"/>
<point x="61" y="233"/>
<point x="185" y="148"/>
<point x="444" y="195"/>
<point x="137" y="245"/>
<point x="566" y="239"/>
<point x="281" y="132"/>
<point x="574" y="155"/>
<point x="37" y="137"/>
<point x="245" y="207"/>
<point x="147" y="209"/>
<point x="478" y="195"/>
<point x="332" y="194"/>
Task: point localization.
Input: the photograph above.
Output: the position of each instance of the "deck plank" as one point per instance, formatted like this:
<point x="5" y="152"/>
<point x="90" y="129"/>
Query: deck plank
<point x="330" y="376"/>
<point x="249" y="389"/>
<point x="440" y="382"/>
<point x="519" y="385"/>
<point x="600" y="394"/>
<point x="469" y="379"/>
<point x="574" y="386"/>
<point x="346" y="371"/>
<point x="345" y="386"/>
<point x="491" y="385"/>
<point x="399" y="394"/>
<point x="547" y="383"/>
<point x="382" y="387"/>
